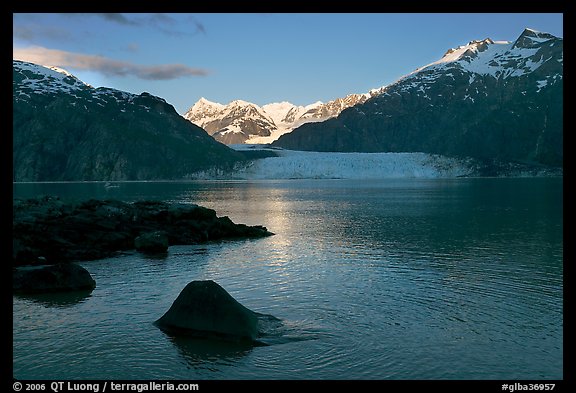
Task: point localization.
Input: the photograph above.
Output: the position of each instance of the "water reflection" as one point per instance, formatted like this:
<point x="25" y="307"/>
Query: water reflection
<point x="58" y="299"/>
<point x="412" y="279"/>
<point x="179" y="251"/>
<point x="209" y="354"/>
<point x="155" y="256"/>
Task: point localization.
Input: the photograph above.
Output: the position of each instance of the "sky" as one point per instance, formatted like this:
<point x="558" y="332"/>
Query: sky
<point x="260" y="58"/>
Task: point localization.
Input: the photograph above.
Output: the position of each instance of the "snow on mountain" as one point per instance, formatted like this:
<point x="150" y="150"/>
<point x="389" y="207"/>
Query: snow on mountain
<point x="278" y="110"/>
<point x="231" y="123"/>
<point x="45" y="80"/>
<point x="61" y="70"/>
<point x="32" y="79"/>
<point x="208" y="109"/>
<point x="489" y="58"/>
<point x="499" y="59"/>
<point x="239" y="108"/>
<point x="486" y="99"/>
<point x="245" y="122"/>
<point x="66" y="130"/>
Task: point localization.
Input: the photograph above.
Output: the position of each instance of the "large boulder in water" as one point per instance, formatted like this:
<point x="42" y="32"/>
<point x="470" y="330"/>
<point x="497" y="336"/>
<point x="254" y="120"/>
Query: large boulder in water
<point x="53" y="278"/>
<point x="204" y="308"/>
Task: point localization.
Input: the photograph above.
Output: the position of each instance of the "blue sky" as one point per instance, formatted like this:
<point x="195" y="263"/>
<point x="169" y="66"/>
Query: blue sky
<point x="261" y="58"/>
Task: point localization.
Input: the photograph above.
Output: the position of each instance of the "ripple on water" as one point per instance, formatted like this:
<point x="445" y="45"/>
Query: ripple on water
<point x="414" y="280"/>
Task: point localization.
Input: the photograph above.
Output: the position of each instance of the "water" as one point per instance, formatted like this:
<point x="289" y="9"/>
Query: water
<point x="391" y="279"/>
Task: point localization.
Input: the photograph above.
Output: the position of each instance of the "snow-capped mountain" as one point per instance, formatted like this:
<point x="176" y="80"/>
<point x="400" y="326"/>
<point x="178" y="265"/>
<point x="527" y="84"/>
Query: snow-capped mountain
<point x="32" y="78"/>
<point x="245" y="122"/>
<point x="204" y="110"/>
<point x="65" y="129"/>
<point x="232" y="123"/>
<point x="486" y="99"/>
<point x="279" y="111"/>
<point x="498" y="59"/>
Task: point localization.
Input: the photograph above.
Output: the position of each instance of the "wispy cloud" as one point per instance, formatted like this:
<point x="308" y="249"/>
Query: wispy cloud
<point x="115" y="17"/>
<point x="106" y="66"/>
<point x="108" y="16"/>
<point x="199" y="26"/>
<point x="162" y="22"/>
<point x="33" y="31"/>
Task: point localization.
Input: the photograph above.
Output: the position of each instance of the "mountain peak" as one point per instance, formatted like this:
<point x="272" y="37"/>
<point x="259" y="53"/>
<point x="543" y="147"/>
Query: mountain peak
<point x="240" y="103"/>
<point x="477" y="43"/>
<point x="535" y="33"/>
<point x="52" y="106"/>
<point x="485" y="99"/>
<point x="278" y="111"/>
<point x="283" y="103"/>
<point x="60" y="70"/>
<point x="204" y="101"/>
<point x="45" y="79"/>
<point x="468" y="50"/>
<point x="496" y="58"/>
<point x="531" y="38"/>
<point x="206" y="105"/>
<point x="244" y="122"/>
<point x="314" y="105"/>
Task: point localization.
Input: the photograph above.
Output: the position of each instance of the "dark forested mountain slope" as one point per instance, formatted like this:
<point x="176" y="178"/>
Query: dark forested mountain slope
<point x="64" y="129"/>
<point x="490" y="100"/>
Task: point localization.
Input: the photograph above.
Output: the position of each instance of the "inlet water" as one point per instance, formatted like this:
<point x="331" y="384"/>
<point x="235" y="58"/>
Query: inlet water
<point x="386" y="279"/>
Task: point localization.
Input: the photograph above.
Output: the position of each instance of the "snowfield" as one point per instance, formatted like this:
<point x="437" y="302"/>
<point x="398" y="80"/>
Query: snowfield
<point x="292" y="164"/>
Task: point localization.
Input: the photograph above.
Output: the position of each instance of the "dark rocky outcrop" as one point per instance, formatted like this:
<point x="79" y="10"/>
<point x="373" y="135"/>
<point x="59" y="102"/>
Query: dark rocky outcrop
<point x="152" y="242"/>
<point x="205" y="309"/>
<point x="55" y="278"/>
<point x="48" y="230"/>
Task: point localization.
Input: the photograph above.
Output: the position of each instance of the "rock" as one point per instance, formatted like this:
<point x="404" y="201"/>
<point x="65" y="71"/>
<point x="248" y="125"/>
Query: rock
<point x="152" y="242"/>
<point x="204" y="308"/>
<point x="54" y="278"/>
<point x="92" y="229"/>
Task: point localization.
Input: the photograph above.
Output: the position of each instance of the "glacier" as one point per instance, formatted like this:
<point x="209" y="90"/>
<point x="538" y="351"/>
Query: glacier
<point x="291" y="164"/>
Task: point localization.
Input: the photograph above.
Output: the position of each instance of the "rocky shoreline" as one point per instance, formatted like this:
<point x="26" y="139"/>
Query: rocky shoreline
<point x="48" y="230"/>
<point x="50" y="234"/>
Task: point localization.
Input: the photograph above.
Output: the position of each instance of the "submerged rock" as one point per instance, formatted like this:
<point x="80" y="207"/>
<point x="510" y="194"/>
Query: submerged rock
<point x="55" y="278"/>
<point x="204" y="308"/>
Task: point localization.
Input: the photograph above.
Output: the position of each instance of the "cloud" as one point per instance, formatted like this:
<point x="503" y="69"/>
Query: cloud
<point x="162" y="22"/>
<point x="31" y="32"/>
<point x="199" y="26"/>
<point x="106" y="66"/>
<point x="109" y="16"/>
<point x="116" y="17"/>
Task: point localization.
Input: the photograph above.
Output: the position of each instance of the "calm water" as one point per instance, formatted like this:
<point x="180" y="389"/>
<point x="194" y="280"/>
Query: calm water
<point x="391" y="279"/>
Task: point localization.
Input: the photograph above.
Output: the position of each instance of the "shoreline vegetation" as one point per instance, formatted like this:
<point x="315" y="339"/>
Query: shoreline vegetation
<point x="48" y="230"/>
